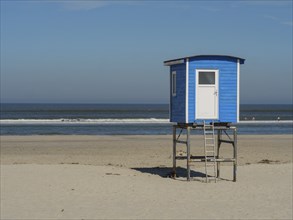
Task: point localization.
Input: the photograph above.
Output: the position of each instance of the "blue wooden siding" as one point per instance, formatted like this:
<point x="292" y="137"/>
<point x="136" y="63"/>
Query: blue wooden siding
<point x="227" y="86"/>
<point x="178" y="101"/>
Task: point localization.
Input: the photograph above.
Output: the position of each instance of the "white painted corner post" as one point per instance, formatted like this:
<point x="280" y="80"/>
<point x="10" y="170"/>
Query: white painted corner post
<point x="238" y="90"/>
<point x="186" y="89"/>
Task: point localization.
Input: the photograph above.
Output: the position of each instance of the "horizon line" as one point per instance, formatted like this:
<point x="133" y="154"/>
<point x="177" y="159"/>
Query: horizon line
<point x="124" y="103"/>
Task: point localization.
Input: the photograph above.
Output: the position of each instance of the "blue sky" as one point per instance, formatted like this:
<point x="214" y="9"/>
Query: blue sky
<point x="113" y="51"/>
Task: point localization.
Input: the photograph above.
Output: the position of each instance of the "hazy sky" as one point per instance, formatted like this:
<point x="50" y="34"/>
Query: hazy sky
<point x="113" y="52"/>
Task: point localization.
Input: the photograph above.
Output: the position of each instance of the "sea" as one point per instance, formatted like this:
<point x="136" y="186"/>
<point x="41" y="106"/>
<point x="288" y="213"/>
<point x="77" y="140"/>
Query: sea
<point x="126" y="119"/>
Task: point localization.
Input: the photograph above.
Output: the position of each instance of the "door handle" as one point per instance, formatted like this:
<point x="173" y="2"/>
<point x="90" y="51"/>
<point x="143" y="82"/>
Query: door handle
<point x="216" y="93"/>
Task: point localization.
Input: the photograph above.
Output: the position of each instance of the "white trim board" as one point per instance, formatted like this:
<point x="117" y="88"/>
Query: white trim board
<point x="238" y="90"/>
<point x="170" y="94"/>
<point x="186" y="90"/>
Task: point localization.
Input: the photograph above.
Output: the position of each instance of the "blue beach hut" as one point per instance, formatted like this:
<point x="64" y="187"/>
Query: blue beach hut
<point x="204" y="87"/>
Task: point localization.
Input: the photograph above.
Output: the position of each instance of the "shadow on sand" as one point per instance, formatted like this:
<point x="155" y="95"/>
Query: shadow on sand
<point x="167" y="171"/>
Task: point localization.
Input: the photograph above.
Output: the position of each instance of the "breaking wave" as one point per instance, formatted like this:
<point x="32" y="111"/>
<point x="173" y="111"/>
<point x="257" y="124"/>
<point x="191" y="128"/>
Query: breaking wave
<point x="86" y="121"/>
<point x="116" y="121"/>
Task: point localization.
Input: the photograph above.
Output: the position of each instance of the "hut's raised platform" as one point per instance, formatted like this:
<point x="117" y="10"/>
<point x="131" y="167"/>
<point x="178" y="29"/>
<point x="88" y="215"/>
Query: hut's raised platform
<point x="221" y="130"/>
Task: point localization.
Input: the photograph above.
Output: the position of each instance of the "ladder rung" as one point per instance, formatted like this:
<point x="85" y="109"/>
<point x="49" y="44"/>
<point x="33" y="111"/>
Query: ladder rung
<point x="210" y="145"/>
<point x="210" y="151"/>
<point x="210" y="165"/>
<point x="207" y="138"/>
<point x="209" y="132"/>
<point x="211" y="162"/>
<point x="211" y="177"/>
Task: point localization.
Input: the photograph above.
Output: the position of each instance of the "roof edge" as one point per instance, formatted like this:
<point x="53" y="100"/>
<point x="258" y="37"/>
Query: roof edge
<point x="179" y="60"/>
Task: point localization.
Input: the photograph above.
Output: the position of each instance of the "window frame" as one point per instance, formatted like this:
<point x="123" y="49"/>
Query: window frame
<point x="173" y="83"/>
<point x="202" y="73"/>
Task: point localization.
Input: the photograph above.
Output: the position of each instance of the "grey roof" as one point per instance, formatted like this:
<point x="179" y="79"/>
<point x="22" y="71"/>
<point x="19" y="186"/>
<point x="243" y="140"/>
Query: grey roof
<point x="203" y="57"/>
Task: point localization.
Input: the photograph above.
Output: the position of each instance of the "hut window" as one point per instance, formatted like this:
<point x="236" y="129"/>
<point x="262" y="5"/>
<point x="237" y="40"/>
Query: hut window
<point x="174" y="83"/>
<point x="206" y="78"/>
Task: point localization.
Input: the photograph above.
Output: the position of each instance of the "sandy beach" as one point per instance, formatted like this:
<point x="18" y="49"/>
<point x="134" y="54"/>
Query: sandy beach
<point x="124" y="177"/>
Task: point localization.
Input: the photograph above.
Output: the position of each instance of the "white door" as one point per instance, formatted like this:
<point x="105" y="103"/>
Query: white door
<point x="207" y="99"/>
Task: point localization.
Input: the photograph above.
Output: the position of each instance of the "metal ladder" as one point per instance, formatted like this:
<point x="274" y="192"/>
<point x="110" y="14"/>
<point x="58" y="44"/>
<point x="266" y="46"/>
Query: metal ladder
<point x="210" y="151"/>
